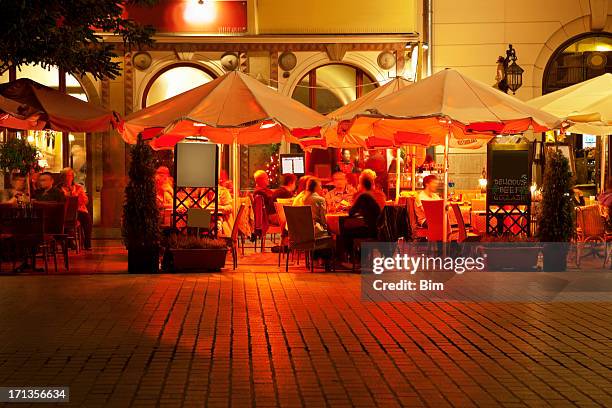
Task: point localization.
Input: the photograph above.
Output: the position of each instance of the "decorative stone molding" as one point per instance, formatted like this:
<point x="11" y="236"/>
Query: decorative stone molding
<point x="128" y="83"/>
<point x="244" y="62"/>
<point x="336" y="52"/>
<point x="274" y="69"/>
<point x="599" y="14"/>
<point x="566" y="32"/>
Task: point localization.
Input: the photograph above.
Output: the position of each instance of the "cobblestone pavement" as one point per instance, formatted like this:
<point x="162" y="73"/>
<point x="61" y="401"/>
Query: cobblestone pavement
<point x="294" y="339"/>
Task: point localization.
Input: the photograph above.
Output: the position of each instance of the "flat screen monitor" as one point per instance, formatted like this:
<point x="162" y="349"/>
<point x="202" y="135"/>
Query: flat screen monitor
<point x="292" y="163"/>
<point x="589" y="141"/>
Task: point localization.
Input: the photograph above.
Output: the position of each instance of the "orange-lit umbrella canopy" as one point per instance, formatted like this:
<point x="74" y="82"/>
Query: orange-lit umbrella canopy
<point x="28" y="105"/>
<point x="234" y="108"/>
<point x="586" y="105"/>
<point x="337" y="136"/>
<point x="446" y="103"/>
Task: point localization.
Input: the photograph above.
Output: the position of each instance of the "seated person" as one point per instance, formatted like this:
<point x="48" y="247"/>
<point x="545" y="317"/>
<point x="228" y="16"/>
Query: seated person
<point x="164" y="193"/>
<point x="429" y="192"/>
<point x="378" y="194"/>
<point x="341" y="196"/>
<point x="288" y="184"/>
<point x="262" y="182"/>
<point x="47" y="192"/>
<point x="301" y="190"/>
<point x="313" y="198"/>
<point x="363" y="214"/>
<point x="17" y="193"/>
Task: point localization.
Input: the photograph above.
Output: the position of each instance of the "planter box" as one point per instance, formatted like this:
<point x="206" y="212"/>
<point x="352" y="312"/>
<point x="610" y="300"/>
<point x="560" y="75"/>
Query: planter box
<point x="143" y="260"/>
<point x="195" y="260"/>
<point x="511" y="258"/>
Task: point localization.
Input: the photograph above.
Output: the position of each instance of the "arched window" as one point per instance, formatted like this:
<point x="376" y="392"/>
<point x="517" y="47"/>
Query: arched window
<point x="174" y="80"/>
<point x="577" y="60"/>
<point x="332" y="86"/>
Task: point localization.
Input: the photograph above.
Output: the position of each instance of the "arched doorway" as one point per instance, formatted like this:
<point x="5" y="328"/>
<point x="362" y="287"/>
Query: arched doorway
<point x="579" y="59"/>
<point x="173" y="80"/>
<point x="325" y="89"/>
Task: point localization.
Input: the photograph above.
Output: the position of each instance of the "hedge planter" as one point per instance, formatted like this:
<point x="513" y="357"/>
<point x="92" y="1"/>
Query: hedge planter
<point x="197" y="260"/>
<point x="511" y="258"/>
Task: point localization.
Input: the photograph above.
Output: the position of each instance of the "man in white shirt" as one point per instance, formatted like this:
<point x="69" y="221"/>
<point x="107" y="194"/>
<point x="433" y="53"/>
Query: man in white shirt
<point x="429" y="192"/>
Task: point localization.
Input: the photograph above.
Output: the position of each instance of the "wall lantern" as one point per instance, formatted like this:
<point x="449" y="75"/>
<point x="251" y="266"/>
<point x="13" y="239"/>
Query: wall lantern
<point x="509" y="73"/>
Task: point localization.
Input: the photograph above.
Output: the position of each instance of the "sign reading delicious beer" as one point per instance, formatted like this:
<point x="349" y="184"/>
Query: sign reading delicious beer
<point x="509" y="175"/>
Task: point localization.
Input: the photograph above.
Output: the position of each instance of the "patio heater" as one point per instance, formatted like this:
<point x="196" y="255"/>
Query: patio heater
<point x="509" y="73"/>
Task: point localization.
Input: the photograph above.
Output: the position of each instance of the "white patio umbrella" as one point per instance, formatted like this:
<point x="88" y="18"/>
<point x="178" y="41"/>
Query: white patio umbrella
<point x="587" y="106"/>
<point x="447" y="105"/>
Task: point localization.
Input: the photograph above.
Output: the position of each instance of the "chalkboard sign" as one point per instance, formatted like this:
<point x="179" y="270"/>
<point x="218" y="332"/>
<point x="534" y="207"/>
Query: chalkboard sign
<point x="509" y="175"/>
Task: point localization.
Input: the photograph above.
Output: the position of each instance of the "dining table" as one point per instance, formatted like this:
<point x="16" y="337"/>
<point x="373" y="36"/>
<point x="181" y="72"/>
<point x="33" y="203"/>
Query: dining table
<point x="333" y="221"/>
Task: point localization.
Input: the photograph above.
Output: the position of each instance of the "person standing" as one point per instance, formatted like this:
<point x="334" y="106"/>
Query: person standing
<point x="72" y="189"/>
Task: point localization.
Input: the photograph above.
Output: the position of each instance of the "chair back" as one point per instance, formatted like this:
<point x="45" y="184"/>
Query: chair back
<point x="434" y="213"/>
<point x="280" y="210"/>
<point x="300" y="224"/>
<point x="260" y="213"/>
<point x="590" y="221"/>
<point x="412" y="218"/>
<point x="461" y="231"/>
<point x="236" y="226"/>
<point x="72" y="207"/>
<point x="198" y="218"/>
<point x="53" y="216"/>
<point x="479" y="204"/>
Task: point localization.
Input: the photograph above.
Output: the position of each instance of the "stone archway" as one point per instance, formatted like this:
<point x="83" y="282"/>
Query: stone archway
<point x="574" y="28"/>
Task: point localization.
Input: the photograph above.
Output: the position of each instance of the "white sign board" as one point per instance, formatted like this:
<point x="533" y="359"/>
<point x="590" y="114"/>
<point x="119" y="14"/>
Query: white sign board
<point x="196" y="164"/>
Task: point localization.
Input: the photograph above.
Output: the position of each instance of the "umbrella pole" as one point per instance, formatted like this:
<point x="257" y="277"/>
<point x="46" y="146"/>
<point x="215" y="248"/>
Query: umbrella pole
<point x="413" y="166"/>
<point x="602" y="186"/>
<point x="444" y="215"/>
<point x="235" y="172"/>
<point x="398" y="156"/>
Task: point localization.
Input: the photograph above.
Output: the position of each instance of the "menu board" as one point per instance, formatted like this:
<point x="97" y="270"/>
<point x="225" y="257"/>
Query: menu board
<point x="509" y="175"/>
<point x="196" y="164"/>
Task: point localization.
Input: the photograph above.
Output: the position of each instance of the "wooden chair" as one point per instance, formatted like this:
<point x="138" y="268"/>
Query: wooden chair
<point x="282" y="221"/>
<point x="302" y="236"/>
<point x="418" y="232"/>
<point x="72" y="227"/>
<point x="434" y="211"/>
<point x="53" y="215"/>
<point x="590" y="228"/>
<point x="262" y="223"/>
<point x="232" y="241"/>
<point x="462" y="234"/>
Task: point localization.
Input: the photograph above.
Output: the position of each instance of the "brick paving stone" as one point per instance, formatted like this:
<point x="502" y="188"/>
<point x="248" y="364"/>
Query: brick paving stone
<point x="260" y="337"/>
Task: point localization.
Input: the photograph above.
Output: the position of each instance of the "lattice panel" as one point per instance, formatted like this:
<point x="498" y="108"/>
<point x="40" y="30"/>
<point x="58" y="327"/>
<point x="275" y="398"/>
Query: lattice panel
<point x="509" y="220"/>
<point x="190" y="197"/>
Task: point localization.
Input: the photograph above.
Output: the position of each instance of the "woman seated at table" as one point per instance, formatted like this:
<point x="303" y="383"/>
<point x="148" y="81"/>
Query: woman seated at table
<point x="301" y="190"/>
<point x="340" y="197"/>
<point x="313" y="198"/>
<point x="429" y="192"/>
<point x="363" y="214"/>
<point x="16" y="194"/>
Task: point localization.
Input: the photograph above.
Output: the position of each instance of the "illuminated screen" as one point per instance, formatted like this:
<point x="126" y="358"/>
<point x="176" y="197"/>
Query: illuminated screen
<point x="292" y="163"/>
<point x="589" y="141"/>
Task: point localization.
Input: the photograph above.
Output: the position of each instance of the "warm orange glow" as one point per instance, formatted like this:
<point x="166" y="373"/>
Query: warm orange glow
<point x="200" y="12"/>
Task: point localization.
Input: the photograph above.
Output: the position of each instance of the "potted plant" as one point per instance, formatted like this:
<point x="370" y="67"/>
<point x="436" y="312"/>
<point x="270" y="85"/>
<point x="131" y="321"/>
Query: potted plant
<point x="511" y="253"/>
<point x="556" y="221"/>
<point x="140" y="223"/>
<point x="192" y="253"/>
<point x="18" y="156"/>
